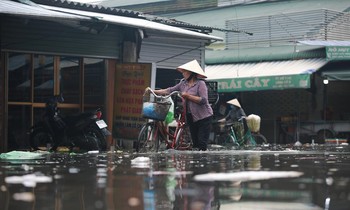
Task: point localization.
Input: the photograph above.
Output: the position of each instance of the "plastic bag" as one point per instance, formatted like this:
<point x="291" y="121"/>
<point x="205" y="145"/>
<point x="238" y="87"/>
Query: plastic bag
<point x="20" y="155"/>
<point x="253" y="122"/>
<point x="170" y="115"/>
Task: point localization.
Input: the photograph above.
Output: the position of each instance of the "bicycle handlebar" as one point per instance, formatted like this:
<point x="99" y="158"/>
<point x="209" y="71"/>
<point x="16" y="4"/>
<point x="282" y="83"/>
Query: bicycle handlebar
<point x="163" y="97"/>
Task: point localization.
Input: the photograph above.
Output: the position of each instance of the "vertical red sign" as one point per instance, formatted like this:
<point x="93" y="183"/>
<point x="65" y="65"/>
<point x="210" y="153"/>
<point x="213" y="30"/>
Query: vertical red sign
<point x="130" y="83"/>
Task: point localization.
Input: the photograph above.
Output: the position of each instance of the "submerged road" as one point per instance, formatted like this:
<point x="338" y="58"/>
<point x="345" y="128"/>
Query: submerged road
<point x="271" y="177"/>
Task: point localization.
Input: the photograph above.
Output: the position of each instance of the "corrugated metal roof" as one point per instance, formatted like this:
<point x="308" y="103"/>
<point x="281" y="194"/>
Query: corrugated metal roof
<point x="35" y="11"/>
<point x="160" y="7"/>
<point x="59" y="13"/>
<point x="150" y="7"/>
<point x="89" y="7"/>
<point x="135" y="22"/>
<point x="101" y="8"/>
<point x="119" y="3"/>
<point x="217" y="17"/>
<point x="287" y="28"/>
<point x="260" y="69"/>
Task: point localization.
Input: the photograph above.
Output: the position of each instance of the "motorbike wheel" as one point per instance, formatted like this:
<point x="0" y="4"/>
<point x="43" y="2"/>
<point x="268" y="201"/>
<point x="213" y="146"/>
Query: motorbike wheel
<point x="87" y="143"/>
<point x="40" y="138"/>
<point x="96" y="137"/>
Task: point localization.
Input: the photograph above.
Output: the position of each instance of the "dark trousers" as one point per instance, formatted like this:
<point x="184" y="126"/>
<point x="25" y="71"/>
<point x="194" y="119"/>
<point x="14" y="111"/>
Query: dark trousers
<point x="200" y="132"/>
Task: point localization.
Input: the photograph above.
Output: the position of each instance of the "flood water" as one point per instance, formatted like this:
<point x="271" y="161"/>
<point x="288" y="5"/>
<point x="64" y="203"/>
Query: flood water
<point x="271" y="177"/>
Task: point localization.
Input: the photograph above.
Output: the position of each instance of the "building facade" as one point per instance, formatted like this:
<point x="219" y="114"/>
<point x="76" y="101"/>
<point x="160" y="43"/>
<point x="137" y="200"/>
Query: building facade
<point x="53" y="47"/>
<point x="286" y="39"/>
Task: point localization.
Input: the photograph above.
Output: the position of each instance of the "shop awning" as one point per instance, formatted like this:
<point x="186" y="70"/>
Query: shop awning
<point x="274" y="75"/>
<point x="335" y="50"/>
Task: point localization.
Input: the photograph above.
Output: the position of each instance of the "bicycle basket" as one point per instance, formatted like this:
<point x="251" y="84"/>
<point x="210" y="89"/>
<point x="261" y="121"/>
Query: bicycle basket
<point x="155" y="110"/>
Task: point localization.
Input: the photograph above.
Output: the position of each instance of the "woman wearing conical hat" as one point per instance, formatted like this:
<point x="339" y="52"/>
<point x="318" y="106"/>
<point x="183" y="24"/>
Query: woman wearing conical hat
<point x="236" y="111"/>
<point x="237" y="116"/>
<point x="195" y="92"/>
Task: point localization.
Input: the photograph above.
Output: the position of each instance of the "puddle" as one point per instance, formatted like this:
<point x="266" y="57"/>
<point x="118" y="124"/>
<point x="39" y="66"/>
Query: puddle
<point x="267" y="177"/>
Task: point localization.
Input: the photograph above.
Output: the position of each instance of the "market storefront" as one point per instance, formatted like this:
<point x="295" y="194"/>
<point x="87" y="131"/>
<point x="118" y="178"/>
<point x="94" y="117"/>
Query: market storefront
<point x="291" y="96"/>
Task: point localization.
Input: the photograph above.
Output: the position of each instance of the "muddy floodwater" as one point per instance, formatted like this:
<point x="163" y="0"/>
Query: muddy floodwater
<point x="269" y="177"/>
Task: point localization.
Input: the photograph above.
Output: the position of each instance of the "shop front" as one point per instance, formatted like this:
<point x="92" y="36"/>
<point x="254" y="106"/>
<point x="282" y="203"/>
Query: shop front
<point x="66" y="48"/>
<point x="290" y="96"/>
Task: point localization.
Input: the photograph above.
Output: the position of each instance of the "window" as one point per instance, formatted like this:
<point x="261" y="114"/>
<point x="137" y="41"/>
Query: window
<point x="94" y="83"/>
<point x="19" y="74"/>
<point x="70" y="79"/>
<point x="33" y="78"/>
<point x="43" y="78"/>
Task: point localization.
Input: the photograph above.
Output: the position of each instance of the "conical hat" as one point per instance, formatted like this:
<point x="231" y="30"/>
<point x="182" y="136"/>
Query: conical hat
<point x="234" y="102"/>
<point x="193" y="66"/>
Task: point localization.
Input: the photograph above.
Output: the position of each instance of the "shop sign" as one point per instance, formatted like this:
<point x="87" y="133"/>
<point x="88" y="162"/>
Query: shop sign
<point x="130" y="83"/>
<point x="264" y="83"/>
<point x="338" y="53"/>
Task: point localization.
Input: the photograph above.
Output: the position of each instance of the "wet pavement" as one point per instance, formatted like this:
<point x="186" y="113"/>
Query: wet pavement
<point x="268" y="177"/>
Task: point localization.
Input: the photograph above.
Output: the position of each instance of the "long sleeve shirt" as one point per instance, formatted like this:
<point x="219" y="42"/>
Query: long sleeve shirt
<point x="199" y="110"/>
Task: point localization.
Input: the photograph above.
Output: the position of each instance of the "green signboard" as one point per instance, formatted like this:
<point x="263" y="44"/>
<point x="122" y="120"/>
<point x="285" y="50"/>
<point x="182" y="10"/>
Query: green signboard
<point x="264" y="83"/>
<point x="338" y="53"/>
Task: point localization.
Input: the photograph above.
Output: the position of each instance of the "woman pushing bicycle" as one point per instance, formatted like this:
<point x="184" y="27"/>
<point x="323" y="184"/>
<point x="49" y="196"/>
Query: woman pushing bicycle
<point x="237" y="116"/>
<point x="240" y="129"/>
<point x="199" y="112"/>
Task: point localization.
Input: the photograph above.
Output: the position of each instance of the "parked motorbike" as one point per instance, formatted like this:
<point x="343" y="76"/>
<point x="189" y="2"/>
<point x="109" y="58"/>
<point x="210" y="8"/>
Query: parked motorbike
<point x="87" y="131"/>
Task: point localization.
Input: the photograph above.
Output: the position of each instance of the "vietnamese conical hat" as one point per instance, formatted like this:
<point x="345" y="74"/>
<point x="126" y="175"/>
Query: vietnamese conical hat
<point x="193" y="66"/>
<point x="234" y="102"/>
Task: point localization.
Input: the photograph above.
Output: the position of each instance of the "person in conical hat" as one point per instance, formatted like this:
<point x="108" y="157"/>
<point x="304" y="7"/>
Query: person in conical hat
<point x="192" y="66"/>
<point x="234" y="102"/>
<point x="236" y="111"/>
<point x="195" y="92"/>
<point x="237" y="115"/>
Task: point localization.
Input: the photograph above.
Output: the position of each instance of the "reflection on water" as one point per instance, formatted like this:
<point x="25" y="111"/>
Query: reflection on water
<point x="254" y="178"/>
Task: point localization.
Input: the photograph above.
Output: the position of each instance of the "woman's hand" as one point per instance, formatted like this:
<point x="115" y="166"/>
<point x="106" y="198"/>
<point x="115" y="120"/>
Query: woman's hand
<point x="185" y="95"/>
<point x="148" y="91"/>
<point x="190" y="97"/>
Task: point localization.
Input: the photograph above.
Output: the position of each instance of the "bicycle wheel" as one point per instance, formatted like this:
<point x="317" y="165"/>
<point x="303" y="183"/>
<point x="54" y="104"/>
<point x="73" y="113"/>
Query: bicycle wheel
<point x="225" y="139"/>
<point x="183" y="139"/>
<point x="259" y="138"/>
<point x="148" y="139"/>
<point x="229" y="140"/>
<point x="248" y="139"/>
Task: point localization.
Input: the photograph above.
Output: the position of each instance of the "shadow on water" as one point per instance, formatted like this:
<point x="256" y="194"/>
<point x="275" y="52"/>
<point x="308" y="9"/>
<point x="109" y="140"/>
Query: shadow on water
<point x="265" y="177"/>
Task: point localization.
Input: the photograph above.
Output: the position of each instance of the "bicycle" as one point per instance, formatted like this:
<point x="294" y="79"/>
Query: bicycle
<point x="154" y="132"/>
<point x="226" y="134"/>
